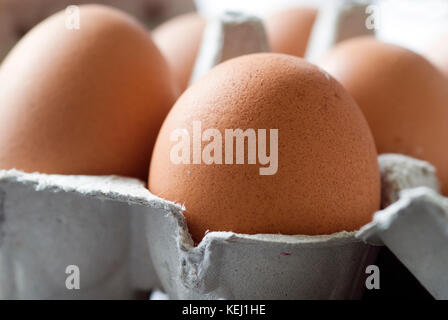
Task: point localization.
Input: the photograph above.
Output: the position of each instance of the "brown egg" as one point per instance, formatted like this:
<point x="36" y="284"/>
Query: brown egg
<point x="403" y="97"/>
<point x="179" y="40"/>
<point x="87" y="101"/>
<point x="437" y="53"/>
<point x="289" y="30"/>
<point x="322" y="178"/>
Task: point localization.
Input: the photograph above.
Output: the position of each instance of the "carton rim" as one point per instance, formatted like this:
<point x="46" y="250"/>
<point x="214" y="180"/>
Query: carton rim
<point x="387" y="217"/>
<point x="134" y="191"/>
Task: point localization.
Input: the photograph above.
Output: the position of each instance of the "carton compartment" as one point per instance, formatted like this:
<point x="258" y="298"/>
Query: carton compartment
<point x="49" y="222"/>
<point x="415" y="229"/>
<point x="112" y="228"/>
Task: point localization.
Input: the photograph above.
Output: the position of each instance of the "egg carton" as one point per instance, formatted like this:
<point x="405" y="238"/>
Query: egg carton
<point x="17" y="17"/>
<point x="226" y="265"/>
<point x="123" y="239"/>
<point x="336" y="22"/>
<point x="415" y="229"/>
<point x="227" y="36"/>
<point x="409" y="23"/>
<point x="50" y="223"/>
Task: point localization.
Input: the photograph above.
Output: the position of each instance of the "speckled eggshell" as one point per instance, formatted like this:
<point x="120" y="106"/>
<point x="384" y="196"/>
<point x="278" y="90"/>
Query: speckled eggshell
<point x="289" y="30"/>
<point x="402" y="95"/>
<point x="437" y="53"/>
<point x="87" y="101"/>
<point x="179" y="40"/>
<point x="327" y="178"/>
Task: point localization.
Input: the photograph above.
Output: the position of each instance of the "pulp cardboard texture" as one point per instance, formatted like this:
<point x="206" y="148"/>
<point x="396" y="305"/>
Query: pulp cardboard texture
<point x="336" y="22"/>
<point x="233" y="266"/>
<point x="399" y="172"/>
<point x="226" y="265"/>
<point x="49" y="222"/>
<point x="412" y="24"/>
<point x="227" y="36"/>
<point x="105" y="226"/>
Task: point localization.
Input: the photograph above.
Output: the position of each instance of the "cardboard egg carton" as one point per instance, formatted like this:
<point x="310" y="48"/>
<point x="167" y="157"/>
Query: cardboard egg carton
<point x="415" y="229"/>
<point x="51" y="222"/>
<point x="226" y="265"/>
<point x="115" y="231"/>
<point x="335" y="22"/>
<point x="227" y="36"/>
<point x="17" y="17"/>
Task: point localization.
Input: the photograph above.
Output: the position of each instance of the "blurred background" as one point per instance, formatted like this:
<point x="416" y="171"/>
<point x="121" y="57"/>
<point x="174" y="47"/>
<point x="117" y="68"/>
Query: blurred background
<point x="411" y="23"/>
<point x="17" y="17"/>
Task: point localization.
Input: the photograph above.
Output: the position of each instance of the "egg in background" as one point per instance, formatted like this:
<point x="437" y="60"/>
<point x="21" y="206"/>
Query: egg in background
<point x="289" y="30"/>
<point x="179" y="39"/>
<point x="402" y="95"/>
<point x="327" y="179"/>
<point x="87" y="101"/>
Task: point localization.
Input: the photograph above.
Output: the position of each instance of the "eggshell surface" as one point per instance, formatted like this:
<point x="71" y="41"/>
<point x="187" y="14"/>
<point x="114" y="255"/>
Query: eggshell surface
<point x="402" y="95"/>
<point x="327" y="179"/>
<point x="289" y="30"/>
<point x="179" y="40"/>
<point x="83" y="101"/>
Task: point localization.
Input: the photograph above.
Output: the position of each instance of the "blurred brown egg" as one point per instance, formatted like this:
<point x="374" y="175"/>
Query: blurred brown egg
<point x="308" y="164"/>
<point x="179" y="40"/>
<point x="289" y="30"/>
<point x="437" y="53"/>
<point x="402" y="95"/>
<point x="83" y="101"/>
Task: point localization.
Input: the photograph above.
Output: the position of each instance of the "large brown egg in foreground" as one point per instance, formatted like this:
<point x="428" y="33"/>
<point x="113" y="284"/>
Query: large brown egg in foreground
<point x="179" y="40"/>
<point x="324" y="177"/>
<point x="289" y="30"/>
<point x="402" y="95"/>
<point x="87" y="101"/>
